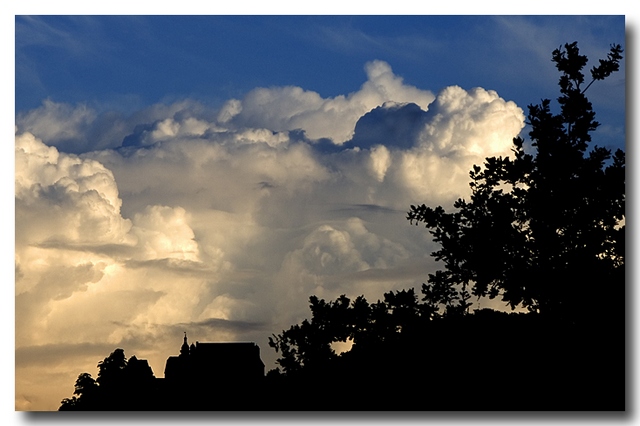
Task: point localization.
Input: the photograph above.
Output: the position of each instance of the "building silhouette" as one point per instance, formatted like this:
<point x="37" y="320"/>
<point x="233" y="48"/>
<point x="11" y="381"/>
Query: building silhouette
<point x="212" y="376"/>
<point x="222" y="363"/>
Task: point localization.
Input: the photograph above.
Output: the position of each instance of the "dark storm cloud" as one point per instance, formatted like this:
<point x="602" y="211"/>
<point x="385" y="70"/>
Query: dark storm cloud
<point x="391" y="125"/>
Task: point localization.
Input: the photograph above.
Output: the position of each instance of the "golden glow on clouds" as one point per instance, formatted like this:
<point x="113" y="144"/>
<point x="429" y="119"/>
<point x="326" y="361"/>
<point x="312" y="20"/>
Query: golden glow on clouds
<point x="224" y="227"/>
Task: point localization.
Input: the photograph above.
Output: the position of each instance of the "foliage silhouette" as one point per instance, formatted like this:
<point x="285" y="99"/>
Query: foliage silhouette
<point x="399" y="316"/>
<point x="112" y="368"/>
<point x="402" y="359"/>
<point x="131" y="385"/>
<point x="120" y="385"/>
<point x="544" y="231"/>
<point x="86" y="388"/>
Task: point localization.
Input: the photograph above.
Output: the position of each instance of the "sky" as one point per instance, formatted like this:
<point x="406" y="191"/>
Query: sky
<point x="208" y="174"/>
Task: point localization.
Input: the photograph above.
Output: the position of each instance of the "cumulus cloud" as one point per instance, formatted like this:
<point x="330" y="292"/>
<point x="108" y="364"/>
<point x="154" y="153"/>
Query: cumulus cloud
<point x="290" y="108"/>
<point x="328" y="254"/>
<point x="392" y="124"/>
<point x="65" y="197"/>
<point x="81" y="128"/>
<point x="474" y="122"/>
<point x="163" y="233"/>
<point x="73" y="282"/>
<point x="225" y="222"/>
<point x="56" y="122"/>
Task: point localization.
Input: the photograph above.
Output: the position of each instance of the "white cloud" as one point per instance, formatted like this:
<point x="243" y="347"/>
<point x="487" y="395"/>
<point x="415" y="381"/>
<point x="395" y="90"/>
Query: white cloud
<point x="82" y="128"/>
<point x="61" y="196"/>
<point x="290" y="108"/>
<point x="58" y="122"/>
<point x="475" y="122"/>
<point x="227" y="225"/>
<point x="75" y="252"/>
<point x="163" y="233"/>
<point x="380" y="160"/>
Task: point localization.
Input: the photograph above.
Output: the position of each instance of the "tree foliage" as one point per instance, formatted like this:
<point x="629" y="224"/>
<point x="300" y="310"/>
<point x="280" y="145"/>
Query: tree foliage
<point x="118" y="379"/>
<point x="400" y="316"/>
<point x="544" y="230"/>
<point x="111" y="369"/>
<point x="85" y="388"/>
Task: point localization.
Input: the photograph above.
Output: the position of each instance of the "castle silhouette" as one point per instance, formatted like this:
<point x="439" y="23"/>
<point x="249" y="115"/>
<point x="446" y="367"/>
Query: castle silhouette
<point x="204" y="376"/>
<point x="222" y="363"/>
<point x="212" y="376"/>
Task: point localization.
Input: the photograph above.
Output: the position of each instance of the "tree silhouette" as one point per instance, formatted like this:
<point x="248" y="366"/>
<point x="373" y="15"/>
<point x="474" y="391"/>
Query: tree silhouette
<point x="399" y="316"/>
<point x="121" y="385"/>
<point x="112" y="369"/>
<point x="86" y="388"/>
<point x="542" y="230"/>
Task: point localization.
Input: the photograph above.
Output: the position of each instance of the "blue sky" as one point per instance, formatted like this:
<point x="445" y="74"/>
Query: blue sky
<point x="210" y="173"/>
<point x="127" y="62"/>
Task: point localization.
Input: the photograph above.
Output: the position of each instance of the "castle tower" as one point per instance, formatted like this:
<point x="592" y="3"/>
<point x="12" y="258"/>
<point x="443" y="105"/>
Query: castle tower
<point x="184" y="350"/>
